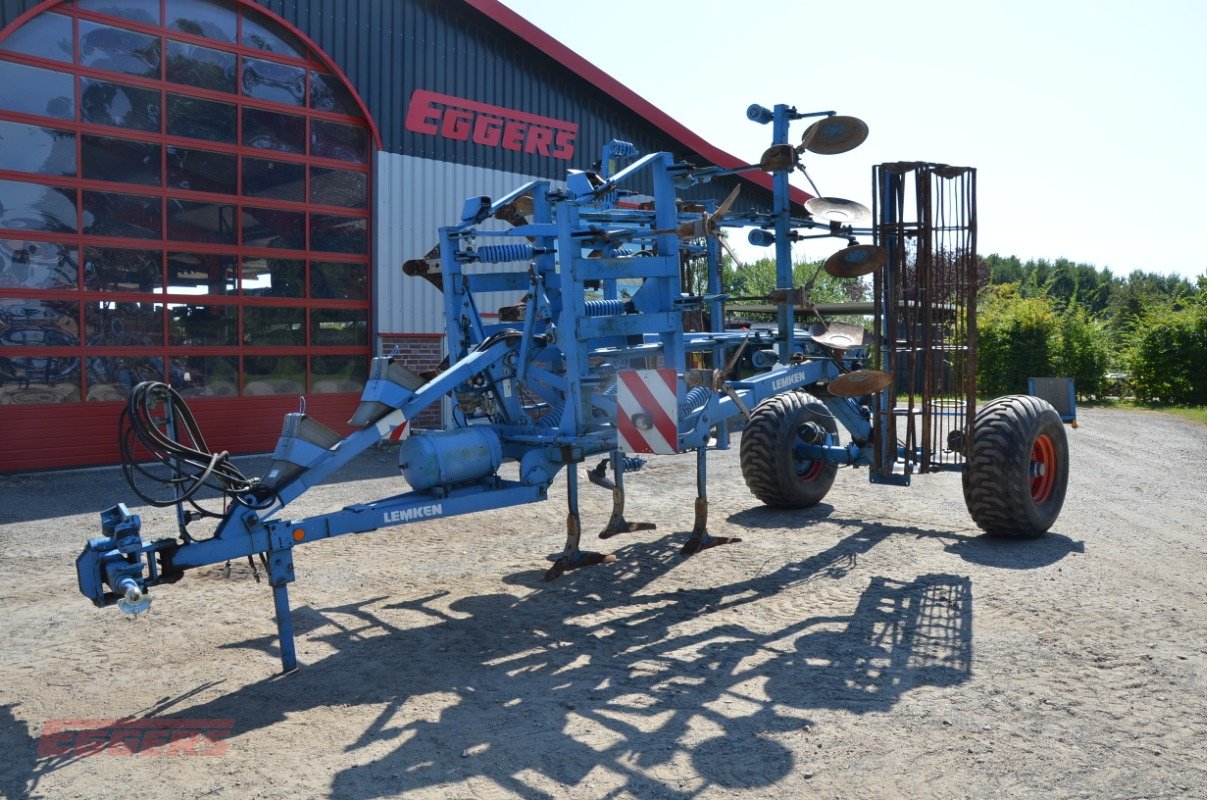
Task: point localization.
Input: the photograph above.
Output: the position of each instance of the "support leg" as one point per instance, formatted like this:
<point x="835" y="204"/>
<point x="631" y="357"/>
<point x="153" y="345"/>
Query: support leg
<point x="700" y="540"/>
<point x="572" y="557"/>
<point x="618" y="524"/>
<point x="280" y="573"/>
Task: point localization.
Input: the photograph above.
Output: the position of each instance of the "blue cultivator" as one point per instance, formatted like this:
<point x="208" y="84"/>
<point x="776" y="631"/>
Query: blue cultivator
<point x="595" y="362"/>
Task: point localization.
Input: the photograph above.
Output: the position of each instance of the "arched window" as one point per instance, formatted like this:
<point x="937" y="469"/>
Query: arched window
<point x="184" y="196"/>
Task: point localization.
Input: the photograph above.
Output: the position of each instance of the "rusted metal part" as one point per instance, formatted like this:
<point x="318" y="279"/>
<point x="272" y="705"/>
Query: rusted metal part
<point x="925" y="321"/>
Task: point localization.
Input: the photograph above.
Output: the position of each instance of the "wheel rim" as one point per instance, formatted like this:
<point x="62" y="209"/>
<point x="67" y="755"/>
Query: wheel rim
<point x="1043" y="468"/>
<point x="809" y="470"/>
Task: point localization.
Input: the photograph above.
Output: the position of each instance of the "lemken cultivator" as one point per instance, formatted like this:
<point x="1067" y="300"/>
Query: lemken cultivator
<point x="596" y="361"/>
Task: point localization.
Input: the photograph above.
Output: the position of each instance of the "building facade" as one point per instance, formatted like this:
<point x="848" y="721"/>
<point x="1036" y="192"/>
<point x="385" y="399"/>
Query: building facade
<point x="219" y="194"/>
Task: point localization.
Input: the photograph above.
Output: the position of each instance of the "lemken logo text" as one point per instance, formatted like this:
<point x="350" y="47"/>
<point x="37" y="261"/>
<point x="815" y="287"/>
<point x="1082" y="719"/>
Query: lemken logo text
<point x="783" y="383"/>
<point x="408" y="514"/>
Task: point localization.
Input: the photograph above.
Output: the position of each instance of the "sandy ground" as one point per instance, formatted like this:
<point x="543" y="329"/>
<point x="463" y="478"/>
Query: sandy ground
<point x="874" y="646"/>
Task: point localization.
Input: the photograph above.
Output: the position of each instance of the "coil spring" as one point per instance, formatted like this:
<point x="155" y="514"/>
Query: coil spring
<point x="632" y="463"/>
<point x="503" y="253"/>
<point x="552" y="418"/>
<point x="694" y="399"/>
<point x="605" y="308"/>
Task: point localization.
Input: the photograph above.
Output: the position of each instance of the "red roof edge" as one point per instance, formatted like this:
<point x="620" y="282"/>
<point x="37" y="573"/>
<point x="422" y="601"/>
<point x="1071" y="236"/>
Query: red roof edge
<point x="530" y="33"/>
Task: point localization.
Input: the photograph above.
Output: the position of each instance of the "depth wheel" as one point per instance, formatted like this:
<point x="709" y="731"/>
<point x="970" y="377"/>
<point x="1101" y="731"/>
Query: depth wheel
<point x="774" y="471"/>
<point x="1018" y="470"/>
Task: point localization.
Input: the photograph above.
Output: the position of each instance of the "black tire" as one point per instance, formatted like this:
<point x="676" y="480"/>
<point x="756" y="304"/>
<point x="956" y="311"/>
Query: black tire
<point x="1006" y="491"/>
<point x="772" y="471"/>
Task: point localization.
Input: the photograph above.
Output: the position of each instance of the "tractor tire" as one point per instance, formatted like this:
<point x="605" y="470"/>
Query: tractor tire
<point x="773" y="473"/>
<point x="1018" y="471"/>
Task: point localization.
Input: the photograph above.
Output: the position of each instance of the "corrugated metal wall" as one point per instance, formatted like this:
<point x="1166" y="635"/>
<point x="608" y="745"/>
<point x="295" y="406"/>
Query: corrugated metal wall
<point x="390" y="48"/>
<point x="415" y="197"/>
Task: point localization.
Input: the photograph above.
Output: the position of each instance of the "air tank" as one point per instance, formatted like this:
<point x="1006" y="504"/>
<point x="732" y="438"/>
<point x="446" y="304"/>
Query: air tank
<point x="442" y="458"/>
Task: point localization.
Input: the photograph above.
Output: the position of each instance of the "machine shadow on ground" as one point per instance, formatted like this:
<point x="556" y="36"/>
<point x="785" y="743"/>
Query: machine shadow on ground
<point x="603" y="666"/>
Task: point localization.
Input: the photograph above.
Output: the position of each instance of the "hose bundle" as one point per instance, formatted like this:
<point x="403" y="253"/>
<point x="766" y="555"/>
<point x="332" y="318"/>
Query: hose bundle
<point x="157" y="419"/>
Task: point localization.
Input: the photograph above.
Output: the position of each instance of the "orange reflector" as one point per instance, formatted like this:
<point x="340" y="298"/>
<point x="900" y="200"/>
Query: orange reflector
<point x="299" y="535"/>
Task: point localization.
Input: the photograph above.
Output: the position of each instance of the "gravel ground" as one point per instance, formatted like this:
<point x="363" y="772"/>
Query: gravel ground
<point x="876" y="645"/>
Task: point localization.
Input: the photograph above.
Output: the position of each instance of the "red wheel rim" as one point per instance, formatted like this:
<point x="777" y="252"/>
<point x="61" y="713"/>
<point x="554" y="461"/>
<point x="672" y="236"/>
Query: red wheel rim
<point x="812" y="471"/>
<point x="1043" y="468"/>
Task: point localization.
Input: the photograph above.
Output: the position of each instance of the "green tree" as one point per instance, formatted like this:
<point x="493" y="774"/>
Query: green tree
<point x="1015" y="340"/>
<point x="1081" y="351"/>
<point x="1168" y="356"/>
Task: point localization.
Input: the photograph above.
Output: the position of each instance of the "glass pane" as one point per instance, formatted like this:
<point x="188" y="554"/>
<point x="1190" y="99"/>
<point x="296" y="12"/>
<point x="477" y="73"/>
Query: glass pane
<point x="124" y="324"/>
<point x="328" y="93"/>
<point x="45" y="36"/>
<point x="333" y="140"/>
<point x="31" y="148"/>
<point x="279" y="180"/>
<point x="274" y="82"/>
<point x="110" y="378"/>
<point x="274" y="277"/>
<point x="204" y="376"/>
<point x="274" y="375"/>
<point x="144" y="11"/>
<point x="264" y="326"/>
<point x="55" y="95"/>
<point x="120" y="160"/>
<point x="112" y="269"/>
<point x="213" y="19"/>
<point x="337" y="187"/>
<point x="202" y="67"/>
<point x="337" y="374"/>
<point x="201" y="222"/>
<point x="264" y="34"/>
<point x="39" y="380"/>
<point x="339" y="234"/>
<point x="346" y="326"/>
<point x="34" y="207"/>
<point x="104" y="103"/>
<point x="119" y="50"/>
<point x="331" y="280"/>
<point x="269" y="227"/>
<point x="203" y="325"/>
<point x="38" y="265"/>
<point x="201" y="273"/>
<point x="201" y="119"/>
<point x="202" y="170"/>
<point x="39" y="323"/>
<point x="269" y="130"/>
<point x="110" y="214"/>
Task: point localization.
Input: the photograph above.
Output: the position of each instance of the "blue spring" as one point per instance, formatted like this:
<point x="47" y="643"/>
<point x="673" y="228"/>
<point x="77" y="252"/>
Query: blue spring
<point x="633" y="463"/>
<point x="605" y="308"/>
<point x="552" y="418"/>
<point x="503" y="253"/>
<point x="694" y="399"/>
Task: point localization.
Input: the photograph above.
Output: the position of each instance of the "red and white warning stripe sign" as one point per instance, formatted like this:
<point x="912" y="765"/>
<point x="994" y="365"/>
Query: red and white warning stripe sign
<point x="647" y="410"/>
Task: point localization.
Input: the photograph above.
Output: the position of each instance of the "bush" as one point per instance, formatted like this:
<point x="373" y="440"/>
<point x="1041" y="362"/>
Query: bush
<point x="1015" y="338"/>
<point x="1081" y="351"/>
<point x="1168" y="357"/>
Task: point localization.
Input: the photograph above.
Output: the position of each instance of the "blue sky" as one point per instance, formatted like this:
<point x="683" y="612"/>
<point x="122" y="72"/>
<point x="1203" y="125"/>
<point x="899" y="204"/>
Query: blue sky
<point x="1086" y="121"/>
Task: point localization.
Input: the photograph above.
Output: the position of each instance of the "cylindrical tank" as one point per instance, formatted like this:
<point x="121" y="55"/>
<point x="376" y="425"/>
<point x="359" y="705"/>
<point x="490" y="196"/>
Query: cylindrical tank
<point x="437" y="458"/>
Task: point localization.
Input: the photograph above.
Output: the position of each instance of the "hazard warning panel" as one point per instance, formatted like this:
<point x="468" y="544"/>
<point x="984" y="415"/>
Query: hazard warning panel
<point x="647" y="409"/>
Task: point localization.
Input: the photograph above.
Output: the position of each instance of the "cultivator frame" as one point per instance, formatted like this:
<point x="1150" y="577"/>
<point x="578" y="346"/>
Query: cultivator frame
<point x="595" y="361"/>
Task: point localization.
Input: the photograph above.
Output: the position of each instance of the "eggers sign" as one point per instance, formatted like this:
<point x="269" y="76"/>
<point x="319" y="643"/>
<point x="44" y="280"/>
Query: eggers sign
<point x="491" y="126"/>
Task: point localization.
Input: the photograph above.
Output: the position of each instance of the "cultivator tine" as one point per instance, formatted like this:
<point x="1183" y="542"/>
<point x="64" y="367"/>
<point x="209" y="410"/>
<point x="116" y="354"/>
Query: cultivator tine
<point x="700" y="539"/>
<point x="617" y="523"/>
<point x="572" y="557"/>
